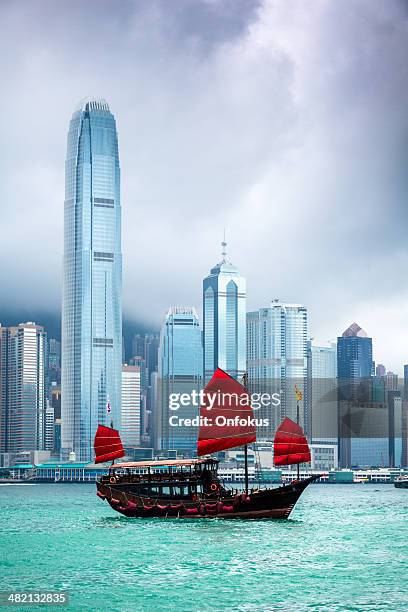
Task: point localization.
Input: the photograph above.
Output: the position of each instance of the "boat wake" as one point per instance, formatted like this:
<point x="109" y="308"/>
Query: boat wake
<point x="17" y="484"/>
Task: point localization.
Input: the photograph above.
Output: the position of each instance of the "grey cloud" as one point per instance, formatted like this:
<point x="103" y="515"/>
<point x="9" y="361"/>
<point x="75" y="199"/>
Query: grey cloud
<point x="283" y="121"/>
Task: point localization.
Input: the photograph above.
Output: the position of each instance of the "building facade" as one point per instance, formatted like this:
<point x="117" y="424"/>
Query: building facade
<point x="362" y="414"/>
<point x="180" y="371"/>
<point x="54" y="362"/>
<point x="277" y="361"/>
<point x="23" y="364"/>
<point x="404" y="458"/>
<point x="92" y="282"/>
<point x="224" y="329"/>
<point x="130" y="427"/>
<point x="322" y="364"/>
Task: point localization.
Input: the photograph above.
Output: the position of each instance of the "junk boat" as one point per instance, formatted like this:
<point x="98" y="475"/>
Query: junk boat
<point x="191" y="488"/>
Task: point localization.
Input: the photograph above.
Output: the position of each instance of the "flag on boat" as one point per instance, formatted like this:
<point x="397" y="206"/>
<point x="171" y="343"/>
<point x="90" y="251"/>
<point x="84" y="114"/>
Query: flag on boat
<point x="107" y="444"/>
<point x="298" y="393"/>
<point x="228" y="422"/>
<point x="290" y="445"/>
<point x="108" y="406"/>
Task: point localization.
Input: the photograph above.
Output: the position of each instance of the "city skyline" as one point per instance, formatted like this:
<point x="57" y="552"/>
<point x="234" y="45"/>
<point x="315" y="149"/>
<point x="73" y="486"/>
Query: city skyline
<point x="318" y="172"/>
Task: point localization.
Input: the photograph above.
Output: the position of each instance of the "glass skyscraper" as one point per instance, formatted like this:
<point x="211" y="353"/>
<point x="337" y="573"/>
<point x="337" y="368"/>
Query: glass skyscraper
<point x="92" y="293"/>
<point x="180" y="371"/>
<point x="224" y="315"/>
<point x="277" y="361"/>
<point x="363" y="426"/>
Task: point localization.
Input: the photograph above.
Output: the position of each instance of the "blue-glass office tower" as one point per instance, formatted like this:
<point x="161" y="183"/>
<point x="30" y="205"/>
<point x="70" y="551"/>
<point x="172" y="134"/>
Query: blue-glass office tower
<point x="180" y="371"/>
<point x="363" y="421"/>
<point x="92" y="292"/>
<point x="224" y="316"/>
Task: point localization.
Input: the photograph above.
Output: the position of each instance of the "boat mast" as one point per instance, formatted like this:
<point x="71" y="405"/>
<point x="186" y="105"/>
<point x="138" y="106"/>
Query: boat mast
<point x="299" y="397"/>
<point x="245" y="383"/>
<point x="297" y="421"/>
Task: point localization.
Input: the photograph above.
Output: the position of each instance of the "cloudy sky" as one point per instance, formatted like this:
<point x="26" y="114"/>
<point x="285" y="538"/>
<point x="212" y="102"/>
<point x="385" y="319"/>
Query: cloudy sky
<point x="286" y="122"/>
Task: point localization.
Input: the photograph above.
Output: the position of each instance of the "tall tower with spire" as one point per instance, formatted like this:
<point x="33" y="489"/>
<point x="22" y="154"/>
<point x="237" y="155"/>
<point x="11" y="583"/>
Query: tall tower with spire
<point x="92" y="294"/>
<point x="224" y="319"/>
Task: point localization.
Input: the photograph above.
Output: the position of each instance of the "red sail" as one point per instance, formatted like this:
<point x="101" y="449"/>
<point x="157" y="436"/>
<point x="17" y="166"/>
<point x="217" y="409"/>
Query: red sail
<point x="226" y="417"/>
<point x="290" y="445"/>
<point x="107" y="444"/>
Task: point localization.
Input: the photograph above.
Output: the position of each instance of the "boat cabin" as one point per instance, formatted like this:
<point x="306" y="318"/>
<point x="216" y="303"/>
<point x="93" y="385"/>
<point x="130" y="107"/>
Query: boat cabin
<point x="185" y="479"/>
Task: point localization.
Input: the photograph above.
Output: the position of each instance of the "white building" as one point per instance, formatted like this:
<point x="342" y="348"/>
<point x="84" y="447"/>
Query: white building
<point x="324" y="457"/>
<point x="49" y="426"/>
<point x="130" y="426"/>
<point x="323" y="393"/>
<point x="277" y="361"/>
<point x="22" y="387"/>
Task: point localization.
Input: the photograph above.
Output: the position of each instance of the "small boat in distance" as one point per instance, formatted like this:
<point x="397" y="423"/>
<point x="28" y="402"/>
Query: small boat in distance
<point x="191" y="488"/>
<point x="401" y="482"/>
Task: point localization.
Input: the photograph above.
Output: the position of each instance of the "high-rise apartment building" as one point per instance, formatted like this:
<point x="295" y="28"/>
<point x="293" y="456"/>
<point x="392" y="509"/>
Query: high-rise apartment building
<point x="23" y="350"/>
<point x="91" y="311"/>
<point x="277" y="361"/>
<point x="323" y="393"/>
<point x="130" y="427"/>
<point x="391" y="381"/>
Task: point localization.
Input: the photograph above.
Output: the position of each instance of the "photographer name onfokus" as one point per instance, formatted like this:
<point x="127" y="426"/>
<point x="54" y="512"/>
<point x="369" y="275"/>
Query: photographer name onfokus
<point x="219" y="421"/>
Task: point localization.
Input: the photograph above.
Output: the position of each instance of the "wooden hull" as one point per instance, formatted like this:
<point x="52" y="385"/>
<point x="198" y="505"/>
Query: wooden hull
<point x="275" y="503"/>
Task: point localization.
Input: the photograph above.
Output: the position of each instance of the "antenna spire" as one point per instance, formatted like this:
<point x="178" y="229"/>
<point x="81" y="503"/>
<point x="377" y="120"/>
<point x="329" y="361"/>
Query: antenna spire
<point x="224" y="249"/>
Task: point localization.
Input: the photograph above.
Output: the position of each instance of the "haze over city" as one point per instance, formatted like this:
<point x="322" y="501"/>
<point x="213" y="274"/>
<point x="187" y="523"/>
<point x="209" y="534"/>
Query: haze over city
<point x="284" y="123"/>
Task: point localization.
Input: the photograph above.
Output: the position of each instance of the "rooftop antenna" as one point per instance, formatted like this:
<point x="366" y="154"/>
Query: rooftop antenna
<point x="224" y="249"/>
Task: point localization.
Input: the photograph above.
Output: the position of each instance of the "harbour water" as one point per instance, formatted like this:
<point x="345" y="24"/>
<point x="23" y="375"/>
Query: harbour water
<point x="345" y="548"/>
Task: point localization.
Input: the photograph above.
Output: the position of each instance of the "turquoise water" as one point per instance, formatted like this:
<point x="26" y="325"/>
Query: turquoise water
<point x="344" y="548"/>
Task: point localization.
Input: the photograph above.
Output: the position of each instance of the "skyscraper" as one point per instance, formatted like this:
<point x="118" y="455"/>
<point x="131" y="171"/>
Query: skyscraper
<point x="151" y="349"/>
<point x="404" y="458"/>
<point x="130" y="428"/>
<point x="138" y="345"/>
<point x="180" y="371"/>
<point x="22" y="387"/>
<point x="224" y="312"/>
<point x="54" y="361"/>
<point x="92" y="294"/>
<point x="363" y="421"/>
<point x="395" y="428"/>
<point x="277" y="360"/>
<point x="380" y="371"/>
<point x="391" y="381"/>
<point x="323" y="394"/>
